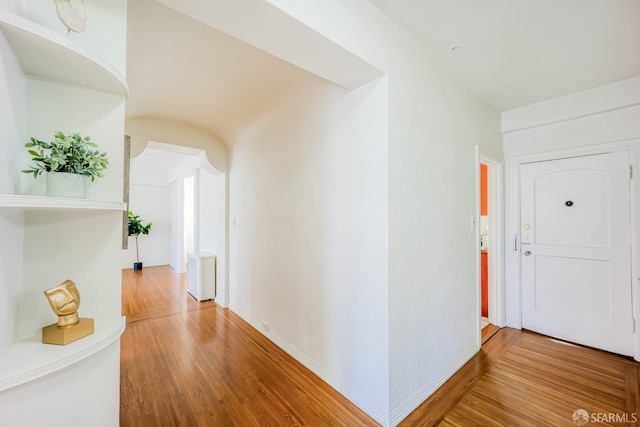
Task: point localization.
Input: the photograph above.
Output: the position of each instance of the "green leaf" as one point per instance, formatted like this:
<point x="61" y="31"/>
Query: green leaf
<point x="67" y="153"/>
<point x="135" y="225"/>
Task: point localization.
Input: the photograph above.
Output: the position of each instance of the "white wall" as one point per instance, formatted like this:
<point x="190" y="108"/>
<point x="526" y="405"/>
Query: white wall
<point x="177" y="250"/>
<point x="12" y="115"/>
<point x="100" y="118"/>
<point x="207" y="209"/>
<point x="308" y="241"/>
<point x="12" y="122"/>
<point x="89" y="267"/>
<point x="11" y="273"/>
<point x="213" y="220"/>
<point x="10" y="5"/>
<point x="434" y="123"/>
<point x="153" y="204"/>
<point x="105" y="17"/>
<point x="604" y="116"/>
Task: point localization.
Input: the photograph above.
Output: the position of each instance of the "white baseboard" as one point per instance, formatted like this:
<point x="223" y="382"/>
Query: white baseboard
<point x="378" y="414"/>
<point x="402" y="411"/>
<point x="375" y="412"/>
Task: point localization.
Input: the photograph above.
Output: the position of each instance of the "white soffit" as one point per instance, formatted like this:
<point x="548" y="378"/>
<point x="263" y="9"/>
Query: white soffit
<point x="610" y="97"/>
<point x="266" y="27"/>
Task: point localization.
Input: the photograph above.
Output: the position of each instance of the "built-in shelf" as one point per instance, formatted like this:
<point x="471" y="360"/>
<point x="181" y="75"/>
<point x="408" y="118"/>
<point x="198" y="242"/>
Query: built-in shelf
<point x="46" y="54"/>
<point x="31" y="359"/>
<point x="40" y="202"/>
<point x="46" y="239"/>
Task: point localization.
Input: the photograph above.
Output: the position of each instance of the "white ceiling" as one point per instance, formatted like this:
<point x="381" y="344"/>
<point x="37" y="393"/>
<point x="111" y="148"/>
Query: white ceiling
<point x="182" y="69"/>
<point x="510" y="52"/>
<point x="518" y="52"/>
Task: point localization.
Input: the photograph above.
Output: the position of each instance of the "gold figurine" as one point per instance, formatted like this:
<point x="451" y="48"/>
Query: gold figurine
<point x="65" y="300"/>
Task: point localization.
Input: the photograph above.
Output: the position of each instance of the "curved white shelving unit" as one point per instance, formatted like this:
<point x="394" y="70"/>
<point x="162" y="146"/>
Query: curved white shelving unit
<point x="49" y="55"/>
<point x="31" y="359"/>
<point x="44" y="238"/>
<point x="39" y="202"/>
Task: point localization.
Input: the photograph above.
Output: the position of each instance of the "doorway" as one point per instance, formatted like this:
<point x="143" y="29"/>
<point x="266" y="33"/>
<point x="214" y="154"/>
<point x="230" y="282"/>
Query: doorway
<point x="490" y="253"/>
<point x="166" y="178"/>
<point x="484" y="250"/>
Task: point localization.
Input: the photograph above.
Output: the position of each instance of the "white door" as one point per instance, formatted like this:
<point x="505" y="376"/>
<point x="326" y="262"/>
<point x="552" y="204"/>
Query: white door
<point x="575" y="252"/>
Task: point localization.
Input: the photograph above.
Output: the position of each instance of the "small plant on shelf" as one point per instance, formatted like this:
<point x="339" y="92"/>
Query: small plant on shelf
<point x="68" y="154"/>
<point x="136" y="228"/>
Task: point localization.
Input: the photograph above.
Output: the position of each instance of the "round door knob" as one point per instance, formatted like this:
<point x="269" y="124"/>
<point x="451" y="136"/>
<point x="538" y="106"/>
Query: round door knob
<point x="527" y="253"/>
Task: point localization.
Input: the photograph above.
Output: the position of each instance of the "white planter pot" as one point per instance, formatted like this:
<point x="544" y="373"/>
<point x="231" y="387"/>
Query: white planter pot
<point x="60" y="184"/>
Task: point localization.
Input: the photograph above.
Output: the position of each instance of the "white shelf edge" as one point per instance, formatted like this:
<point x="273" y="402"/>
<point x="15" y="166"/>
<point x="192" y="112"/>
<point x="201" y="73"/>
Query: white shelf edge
<point x="42" y="202"/>
<point x="14" y="25"/>
<point x="56" y="357"/>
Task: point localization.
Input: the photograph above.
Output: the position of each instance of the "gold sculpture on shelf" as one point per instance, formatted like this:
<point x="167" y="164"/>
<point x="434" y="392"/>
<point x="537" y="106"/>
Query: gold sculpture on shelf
<point x="65" y="300"/>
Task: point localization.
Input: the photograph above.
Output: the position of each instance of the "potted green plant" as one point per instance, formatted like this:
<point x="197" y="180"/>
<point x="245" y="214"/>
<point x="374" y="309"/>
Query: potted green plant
<point x="67" y="162"/>
<point x="136" y="228"/>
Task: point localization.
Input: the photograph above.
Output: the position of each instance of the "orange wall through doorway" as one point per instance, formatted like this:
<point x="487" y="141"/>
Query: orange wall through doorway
<point x="484" y="267"/>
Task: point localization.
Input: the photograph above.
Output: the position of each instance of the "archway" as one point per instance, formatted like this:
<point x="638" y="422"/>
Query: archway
<point x="157" y="192"/>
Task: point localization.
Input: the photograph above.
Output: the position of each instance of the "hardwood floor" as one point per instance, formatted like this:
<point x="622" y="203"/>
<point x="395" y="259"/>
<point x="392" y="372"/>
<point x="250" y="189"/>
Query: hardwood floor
<point x="156" y="292"/>
<point x="520" y="378"/>
<point x="186" y="363"/>
<point x="489" y="331"/>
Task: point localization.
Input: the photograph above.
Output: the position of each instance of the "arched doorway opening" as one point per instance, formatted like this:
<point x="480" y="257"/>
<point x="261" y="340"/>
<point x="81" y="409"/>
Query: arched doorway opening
<point x="185" y="196"/>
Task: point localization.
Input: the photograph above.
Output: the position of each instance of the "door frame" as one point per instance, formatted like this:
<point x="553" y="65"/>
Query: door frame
<point x="495" y="201"/>
<point x="513" y="283"/>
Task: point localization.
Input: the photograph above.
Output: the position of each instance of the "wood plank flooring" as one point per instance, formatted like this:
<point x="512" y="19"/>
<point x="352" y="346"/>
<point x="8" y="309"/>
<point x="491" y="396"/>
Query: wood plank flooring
<point x="156" y="292"/>
<point x="489" y="331"/>
<point x="186" y="363"/>
<point x="520" y="378"/>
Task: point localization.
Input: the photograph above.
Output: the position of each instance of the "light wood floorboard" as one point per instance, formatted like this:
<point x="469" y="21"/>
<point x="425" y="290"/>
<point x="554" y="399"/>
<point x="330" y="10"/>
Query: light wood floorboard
<point x="489" y="331"/>
<point x="521" y="378"/>
<point x="186" y="363"/>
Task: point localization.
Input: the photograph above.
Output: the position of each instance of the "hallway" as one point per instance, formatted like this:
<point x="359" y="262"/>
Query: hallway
<point x="188" y="364"/>
<point x="192" y="364"/>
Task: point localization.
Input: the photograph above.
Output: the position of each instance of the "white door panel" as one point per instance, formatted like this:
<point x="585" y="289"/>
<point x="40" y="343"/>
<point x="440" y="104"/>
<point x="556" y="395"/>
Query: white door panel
<point x="585" y="222"/>
<point x="590" y="303"/>
<point x="576" y="259"/>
